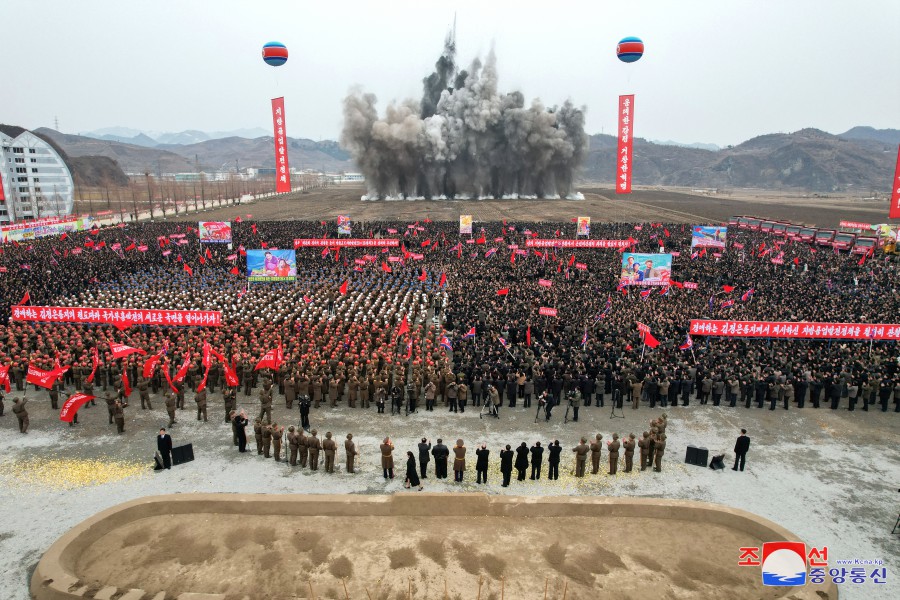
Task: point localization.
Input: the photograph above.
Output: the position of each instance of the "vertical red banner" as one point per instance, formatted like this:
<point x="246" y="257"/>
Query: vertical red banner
<point x="282" y="168"/>
<point x="894" y="212"/>
<point x="2" y="195"/>
<point x="624" y="156"/>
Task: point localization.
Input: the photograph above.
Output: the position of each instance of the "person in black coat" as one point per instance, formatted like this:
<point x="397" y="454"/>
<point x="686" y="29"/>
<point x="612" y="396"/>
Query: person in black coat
<point x="481" y="463"/>
<point x="164" y="446"/>
<point x="440" y="452"/>
<point x="424" y="448"/>
<point x="506" y="464"/>
<point x="412" y="478"/>
<point x="240" y="421"/>
<point x="553" y="460"/>
<point x="537" y="456"/>
<point x="741" y="446"/>
<point x="522" y="461"/>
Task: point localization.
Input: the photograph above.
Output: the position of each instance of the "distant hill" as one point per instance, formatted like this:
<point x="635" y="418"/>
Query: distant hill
<point x="808" y="159"/>
<point x="87" y="170"/>
<point x="190" y="136"/>
<point x="698" y="145"/>
<point x="212" y="154"/>
<point x="890" y="137"/>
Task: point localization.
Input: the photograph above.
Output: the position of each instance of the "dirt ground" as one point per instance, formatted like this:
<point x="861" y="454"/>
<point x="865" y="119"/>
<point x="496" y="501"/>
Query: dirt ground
<point x="388" y="556"/>
<point x="601" y="204"/>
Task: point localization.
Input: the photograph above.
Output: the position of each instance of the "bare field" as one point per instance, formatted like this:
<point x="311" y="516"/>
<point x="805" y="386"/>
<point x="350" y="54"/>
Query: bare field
<point x="601" y="204"/>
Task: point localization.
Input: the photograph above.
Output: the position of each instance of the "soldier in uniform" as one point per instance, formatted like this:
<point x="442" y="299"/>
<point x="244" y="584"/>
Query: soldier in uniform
<point x="170" y="408"/>
<point x="265" y="402"/>
<point x="258" y="434"/>
<point x="351" y="451"/>
<point x="330" y="448"/>
<point x="21" y="413"/>
<point x="110" y="405"/>
<point x="581" y="451"/>
<point x="302" y="448"/>
<point x="459" y="461"/>
<point x="659" y="450"/>
<point x="54" y="395"/>
<point x="613" y="449"/>
<point x="200" y="399"/>
<point x="387" y="458"/>
<point x="644" y="445"/>
<point x="629" y="452"/>
<point x="596" y="448"/>
<point x="119" y="415"/>
<point x="314" y="445"/>
<point x="143" y="391"/>
<point x="293" y="440"/>
<point x="266" y="431"/>
<point x="429" y="396"/>
<point x="277" y="436"/>
<point x="228" y="395"/>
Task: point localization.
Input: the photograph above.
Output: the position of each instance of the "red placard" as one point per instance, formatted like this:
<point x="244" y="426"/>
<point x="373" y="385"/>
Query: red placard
<point x="856" y="224"/>
<point x="580" y="266"/>
<point x="547" y="311"/>
<point x="326" y="243"/>
<point x="786" y="329"/>
<point x="690" y="285"/>
<point x="551" y="243"/>
<point x="894" y="212"/>
<point x="282" y="168"/>
<point x="545" y="282"/>
<point x="117" y="316"/>
<point x="2" y="194"/>
<point x="624" y="157"/>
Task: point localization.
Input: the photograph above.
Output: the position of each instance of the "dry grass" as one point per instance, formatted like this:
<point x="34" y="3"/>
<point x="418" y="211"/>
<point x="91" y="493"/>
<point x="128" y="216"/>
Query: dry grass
<point x="434" y="549"/>
<point x="402" y="558"/>
<point x="341" y="567"/>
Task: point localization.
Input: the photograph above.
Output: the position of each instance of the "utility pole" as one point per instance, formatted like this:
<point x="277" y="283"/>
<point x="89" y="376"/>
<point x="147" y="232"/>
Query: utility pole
<point x="149" y="194"/>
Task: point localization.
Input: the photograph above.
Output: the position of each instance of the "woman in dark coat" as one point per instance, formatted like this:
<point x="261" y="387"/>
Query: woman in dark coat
<point x="412" y="477"/>
<point x="522" y="460"/>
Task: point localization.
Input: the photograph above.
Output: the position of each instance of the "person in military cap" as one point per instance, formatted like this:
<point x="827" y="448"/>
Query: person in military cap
<point x="200" y="399"/>
<point x="170" y="407"/>
<point x="629" y="452"/>
<point x="119" y="415"/>
<point x="293" y="440"/>
<point x="314" y="445"/>
<point x="258" y="434"/>
<point x="277" y="436"/>
<point x="644" y="446"/>
<point x="596" y="447"/>
<point x="351" y="451"/>
<point x="329" y="447"/>
<point x="581" y="452"/>
<point x="21" y="413"/>
<point x="110" y="405"/>
<point x="613" y="450"/>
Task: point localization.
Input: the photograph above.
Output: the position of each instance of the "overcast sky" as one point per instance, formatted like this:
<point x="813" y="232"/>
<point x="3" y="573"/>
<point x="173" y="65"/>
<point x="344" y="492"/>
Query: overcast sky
<point x="717" y="71"/>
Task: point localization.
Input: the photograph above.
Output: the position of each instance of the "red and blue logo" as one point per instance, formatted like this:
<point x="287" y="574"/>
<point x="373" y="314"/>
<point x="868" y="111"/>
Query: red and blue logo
<point x="784" y="563"/>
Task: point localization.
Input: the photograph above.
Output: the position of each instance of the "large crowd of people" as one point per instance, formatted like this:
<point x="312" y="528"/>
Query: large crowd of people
<point x="345" y="345"/>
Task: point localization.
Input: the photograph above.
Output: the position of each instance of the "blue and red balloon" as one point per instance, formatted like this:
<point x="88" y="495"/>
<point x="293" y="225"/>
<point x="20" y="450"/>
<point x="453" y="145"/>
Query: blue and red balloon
<point x="630" y="49"/>
<point x="275" y="54"/>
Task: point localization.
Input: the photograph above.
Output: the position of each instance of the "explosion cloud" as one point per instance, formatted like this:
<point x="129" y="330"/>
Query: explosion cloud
<point x="464" y="139"/>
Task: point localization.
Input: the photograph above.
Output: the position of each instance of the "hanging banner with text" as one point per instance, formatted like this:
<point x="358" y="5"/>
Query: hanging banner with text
<point x="855" y="224"/>
<point x="326" y="243"/>
<point x="117" y="316"/>
<point x="282" y="168"/>
<point x="547" y="311"/>
<point x="551" y="243"/>
<point x="894" y="212"/>
<point x="624" y="156"/>
<point x="782" y="329"/>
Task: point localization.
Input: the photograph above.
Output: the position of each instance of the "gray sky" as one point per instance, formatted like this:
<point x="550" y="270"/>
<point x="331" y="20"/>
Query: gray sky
<point x="718" y="71"/>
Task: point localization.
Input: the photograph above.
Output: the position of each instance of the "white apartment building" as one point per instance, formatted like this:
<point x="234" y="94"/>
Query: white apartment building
<point x="36" y="181"/>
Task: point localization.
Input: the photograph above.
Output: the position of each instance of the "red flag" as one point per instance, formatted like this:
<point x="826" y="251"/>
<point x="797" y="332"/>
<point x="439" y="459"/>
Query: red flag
<point x="208" y="253"/>
<point x="666" y="232"/>
<point x="797" y="260"/>
<point x="728" y="288"/>
<point x="343" y="289"/>
<point x="25" y="298"/>
<point x="234" y="271"/>
<point x="71" y="406"/>
<point x="404" y="327"/>
<point x="423" y="276"/>
<point x="528" y="336"/>
<point x="253" y="228"/>
<point x="269" y="360"/>
<point x="4" y="377"/>
<point x="126" y="385"/>
<point x="42" y="378"/>
<point x="677" y="284"/>
<point x="384" y="267"/>
<point x="894" y="209"/>
<point x="862" y="260"/>
<point x="202" y="260"/>
<point x="63" y="236"/>
<point x="503" y="292"/>
<point x="443" y="280"/>
<point x="231" y="377"/>
<point x="189" y="270"/>
<point x="512" y="258"/>
<point x="207" y="350"/>
<point x="151" y="362"/>
<point x="480" y="240"/>
<point x="121" y="350"/>
<point x="426" y="243"/>
<point x="165" y="370"/>
<point x="649" y="340"/>
<point x="95" y="361"/>
<point x="571" y="260"/>
<point x="182" y="371"/>
<point x="130" y="246"/>
<point x="264" y="244"/>
<point x="202" y="385"/>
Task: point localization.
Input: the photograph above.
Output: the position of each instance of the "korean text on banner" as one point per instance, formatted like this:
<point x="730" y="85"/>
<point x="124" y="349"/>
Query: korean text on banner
<point x="465" y="224"/>
<point x="894" y="212"/>
<point x="554" y="243"/>
<point x="624" y="157"/>
<point x="326" y="243"/>
<point x="800" y="330"/>
<point x="117" y="316"/>
<point x="584" y="227"/>
<point x="282" y="168"/>
<point x="547" y="311"/>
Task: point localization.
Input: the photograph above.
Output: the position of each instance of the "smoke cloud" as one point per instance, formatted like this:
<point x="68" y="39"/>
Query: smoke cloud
<point x="464" y="139"/>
